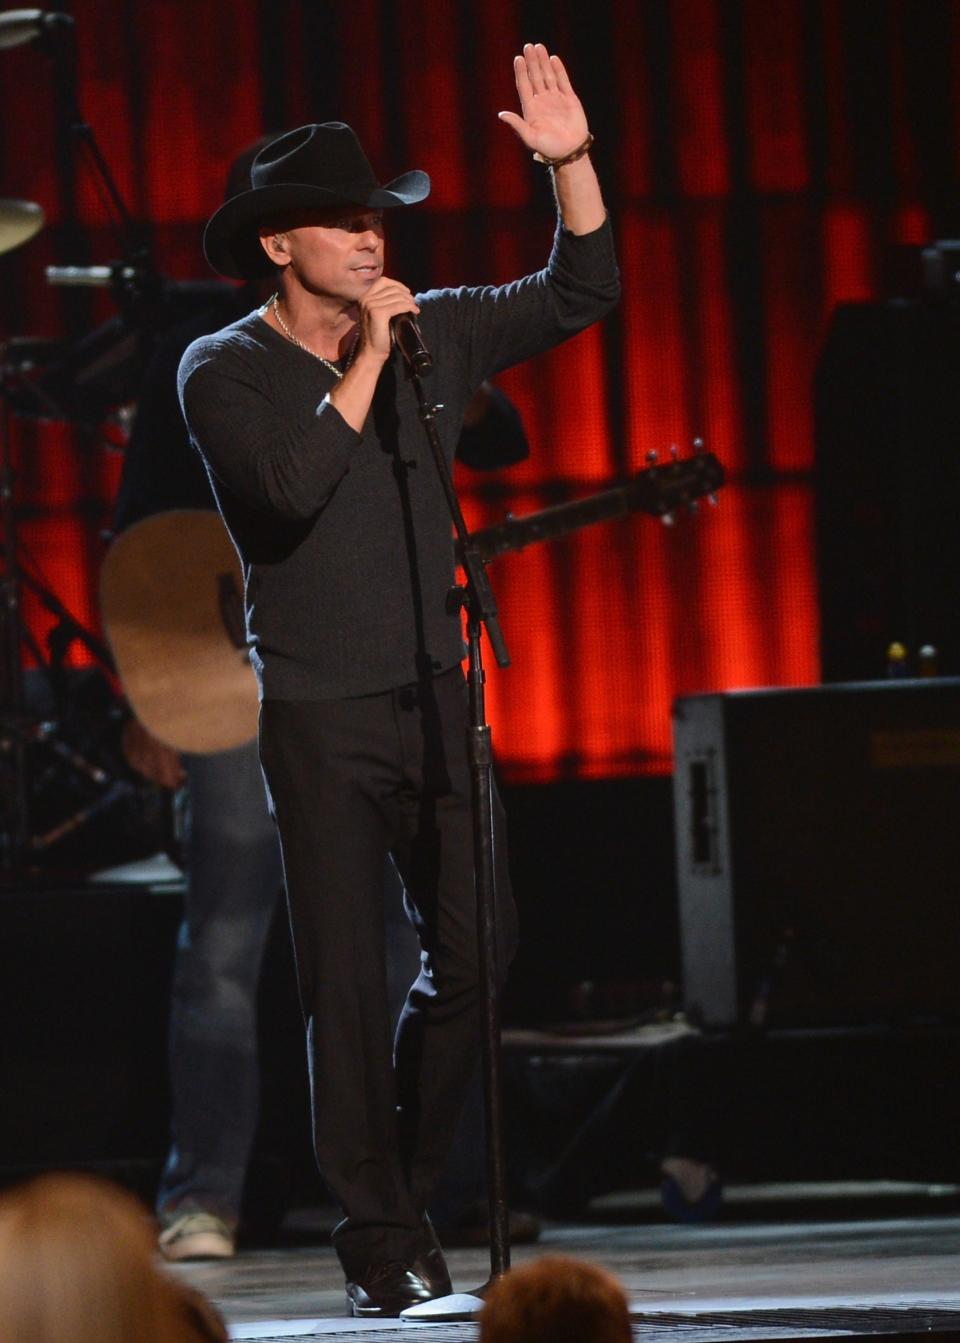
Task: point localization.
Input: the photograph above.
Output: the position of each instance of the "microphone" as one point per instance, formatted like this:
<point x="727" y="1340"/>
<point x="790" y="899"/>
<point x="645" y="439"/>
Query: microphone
<point x="90" y="277"/>
<point x="19" y="26"/>
<point x="406" y="333"/>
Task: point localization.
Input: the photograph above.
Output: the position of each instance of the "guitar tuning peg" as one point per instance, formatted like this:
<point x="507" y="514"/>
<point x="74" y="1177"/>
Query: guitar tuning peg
<point x="698" y="445"/>
<point x="651" y="455"/>
<point x="693" y="506"/>
<point x="712" y="500"/>
<point x="667" y="519"/>
<point x="674" y="452"/>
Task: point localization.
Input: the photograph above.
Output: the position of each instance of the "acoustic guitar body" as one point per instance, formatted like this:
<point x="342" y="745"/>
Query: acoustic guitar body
<point x="171" y="597"/>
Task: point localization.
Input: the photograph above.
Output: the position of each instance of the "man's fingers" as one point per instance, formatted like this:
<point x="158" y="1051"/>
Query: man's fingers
<point x="390" y="304"/>
<point x="521" y="75"/>
<point x="538" y="73"/>
<point x="544" y="69"/>
<point x="386" y="300"/>
<point x="532" y="64"/>
<point x="171" y="774"/>
<point x="386" y="291"/>
<point x="563" y="79"/>
<point x="154" y="759"/>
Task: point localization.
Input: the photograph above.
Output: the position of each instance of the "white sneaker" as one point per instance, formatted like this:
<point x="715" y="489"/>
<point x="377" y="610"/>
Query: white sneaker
<point x="197" y="1235"/>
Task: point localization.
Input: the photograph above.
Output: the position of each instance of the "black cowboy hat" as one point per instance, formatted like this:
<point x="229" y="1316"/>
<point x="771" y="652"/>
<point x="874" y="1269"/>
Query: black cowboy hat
<point x="320" y="166"/>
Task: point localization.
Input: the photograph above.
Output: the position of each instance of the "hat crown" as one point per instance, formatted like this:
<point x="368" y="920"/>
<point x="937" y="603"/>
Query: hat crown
<point x="324" y="154"/>
<point x="319" y="167"/>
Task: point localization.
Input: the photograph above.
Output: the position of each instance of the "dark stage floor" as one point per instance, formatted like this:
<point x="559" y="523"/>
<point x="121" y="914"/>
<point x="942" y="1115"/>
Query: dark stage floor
<point x="788" y="1262"/>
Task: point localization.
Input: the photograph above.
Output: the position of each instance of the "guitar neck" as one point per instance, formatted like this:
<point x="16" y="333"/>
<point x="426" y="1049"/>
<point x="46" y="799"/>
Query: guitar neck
<point x="561" y="519"/>
<point x="658" y="490"/>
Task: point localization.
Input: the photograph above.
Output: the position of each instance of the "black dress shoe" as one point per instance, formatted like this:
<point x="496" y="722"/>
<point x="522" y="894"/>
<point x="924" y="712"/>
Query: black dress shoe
<point x="430" y="1264"/>
<point x="386" y="1289"/>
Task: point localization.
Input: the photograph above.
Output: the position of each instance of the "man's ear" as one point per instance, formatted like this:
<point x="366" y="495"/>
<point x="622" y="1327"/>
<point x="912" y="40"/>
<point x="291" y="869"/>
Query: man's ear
<point x="275" y="246"/>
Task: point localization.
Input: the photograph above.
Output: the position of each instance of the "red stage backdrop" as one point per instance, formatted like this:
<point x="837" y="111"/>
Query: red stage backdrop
<point x="758" y="156"/>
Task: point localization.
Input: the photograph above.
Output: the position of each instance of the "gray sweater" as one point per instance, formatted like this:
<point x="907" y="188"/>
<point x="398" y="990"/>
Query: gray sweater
<point x="345" y="538"/>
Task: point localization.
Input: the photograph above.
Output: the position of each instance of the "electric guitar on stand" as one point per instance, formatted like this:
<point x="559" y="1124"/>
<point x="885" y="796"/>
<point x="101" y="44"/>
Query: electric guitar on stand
<point x="661" y="489"/>
<point x="171" y="597"/>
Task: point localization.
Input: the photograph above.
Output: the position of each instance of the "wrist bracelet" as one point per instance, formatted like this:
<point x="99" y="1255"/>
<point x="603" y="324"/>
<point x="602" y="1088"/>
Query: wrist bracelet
<point x="572" y="157"/>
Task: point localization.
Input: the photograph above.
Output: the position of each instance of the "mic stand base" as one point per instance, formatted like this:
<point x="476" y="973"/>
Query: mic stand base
<point x="456" y="1306"/>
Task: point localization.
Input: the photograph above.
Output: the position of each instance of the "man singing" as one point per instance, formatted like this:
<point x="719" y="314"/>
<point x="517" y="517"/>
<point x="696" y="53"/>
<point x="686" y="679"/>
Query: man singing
<point x="310" y="430"/>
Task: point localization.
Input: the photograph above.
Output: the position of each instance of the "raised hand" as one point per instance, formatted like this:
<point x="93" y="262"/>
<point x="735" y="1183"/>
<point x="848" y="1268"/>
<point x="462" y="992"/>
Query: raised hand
<point x="553" y="122"/>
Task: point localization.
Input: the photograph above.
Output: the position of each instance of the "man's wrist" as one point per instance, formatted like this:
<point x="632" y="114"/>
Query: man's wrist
<point x="581" y="149"/>
<point x="368" y="360"/>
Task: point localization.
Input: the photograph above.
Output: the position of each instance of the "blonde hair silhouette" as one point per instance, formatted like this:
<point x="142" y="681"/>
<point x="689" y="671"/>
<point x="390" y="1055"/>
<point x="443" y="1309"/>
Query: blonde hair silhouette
<point x="78" y="1265"/>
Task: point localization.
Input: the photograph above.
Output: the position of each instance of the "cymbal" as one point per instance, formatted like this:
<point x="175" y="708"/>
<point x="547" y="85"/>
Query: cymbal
<point x="19" y="221"/>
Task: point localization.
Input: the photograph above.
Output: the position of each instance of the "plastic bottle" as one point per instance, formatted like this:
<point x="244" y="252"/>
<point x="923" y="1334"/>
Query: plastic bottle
<point x="927" y="661"/>
<point x="897" y="666"/>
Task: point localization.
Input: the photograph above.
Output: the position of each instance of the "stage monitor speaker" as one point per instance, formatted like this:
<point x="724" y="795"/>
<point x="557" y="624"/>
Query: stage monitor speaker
<point x="818" y="848"/>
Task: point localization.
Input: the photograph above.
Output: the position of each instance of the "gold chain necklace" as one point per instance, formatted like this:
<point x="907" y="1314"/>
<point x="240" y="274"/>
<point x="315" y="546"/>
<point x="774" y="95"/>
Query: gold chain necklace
<point x="275" y="304"/>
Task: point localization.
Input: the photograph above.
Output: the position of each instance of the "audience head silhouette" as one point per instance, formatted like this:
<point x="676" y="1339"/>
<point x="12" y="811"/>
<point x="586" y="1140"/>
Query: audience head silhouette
<point x="556" y="1300"/>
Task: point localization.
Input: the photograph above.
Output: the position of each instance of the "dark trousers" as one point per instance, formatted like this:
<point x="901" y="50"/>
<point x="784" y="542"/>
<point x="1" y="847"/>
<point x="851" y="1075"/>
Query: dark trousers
<point x="351" y="780"/>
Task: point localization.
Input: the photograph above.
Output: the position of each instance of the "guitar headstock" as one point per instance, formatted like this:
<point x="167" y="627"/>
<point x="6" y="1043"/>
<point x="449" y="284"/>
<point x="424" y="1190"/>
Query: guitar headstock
<point x="663" y="487"/>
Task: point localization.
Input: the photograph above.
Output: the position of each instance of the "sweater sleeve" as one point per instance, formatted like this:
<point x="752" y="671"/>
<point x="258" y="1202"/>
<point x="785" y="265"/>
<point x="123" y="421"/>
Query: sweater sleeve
<point x="499" y="326"/>
<point x="282" y="461"/>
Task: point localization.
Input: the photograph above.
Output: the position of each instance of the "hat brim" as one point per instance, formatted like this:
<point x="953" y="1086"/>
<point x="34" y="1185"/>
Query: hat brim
<point x="230" y="241"/>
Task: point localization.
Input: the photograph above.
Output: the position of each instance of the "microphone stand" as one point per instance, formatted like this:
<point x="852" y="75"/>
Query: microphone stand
<point x="475" y="596"/>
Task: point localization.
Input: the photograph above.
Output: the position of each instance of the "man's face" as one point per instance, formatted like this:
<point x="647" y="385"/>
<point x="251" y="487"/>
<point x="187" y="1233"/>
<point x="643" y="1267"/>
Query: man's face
<point x="333" y="254"/>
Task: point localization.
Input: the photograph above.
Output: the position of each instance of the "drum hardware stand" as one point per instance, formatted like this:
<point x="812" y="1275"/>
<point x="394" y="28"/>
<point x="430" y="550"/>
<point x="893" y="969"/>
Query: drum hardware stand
<point x="18" y="729"/>
<point x="133" y="277"/>
<point x="15" y="838"/>
<point x="132" y="280"/>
